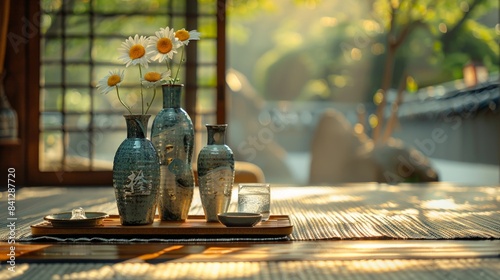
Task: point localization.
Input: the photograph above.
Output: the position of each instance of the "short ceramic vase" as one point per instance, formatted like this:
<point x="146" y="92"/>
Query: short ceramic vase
<point x="172" y="135"/>
<point x="136" y="174"/>
<point x="215" y="173"/>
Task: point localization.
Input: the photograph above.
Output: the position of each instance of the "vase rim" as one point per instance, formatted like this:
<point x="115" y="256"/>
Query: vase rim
<point x="132" y="115"/>
<point x="172" y="85"/>
<point x="216" y="125"/>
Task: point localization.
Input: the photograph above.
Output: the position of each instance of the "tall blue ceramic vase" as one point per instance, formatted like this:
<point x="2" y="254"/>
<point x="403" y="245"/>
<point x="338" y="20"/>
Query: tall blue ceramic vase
<point x="172" y="135"/>
<point x="215" y="173"/>
<point x="136" y="174"/>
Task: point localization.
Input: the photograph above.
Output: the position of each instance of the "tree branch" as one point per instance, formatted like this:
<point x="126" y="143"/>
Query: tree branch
<point x="447" y="37"/>
<point x="405" y="32"/>
<point x="391" y="123"/>
<point x="387" y="75"/>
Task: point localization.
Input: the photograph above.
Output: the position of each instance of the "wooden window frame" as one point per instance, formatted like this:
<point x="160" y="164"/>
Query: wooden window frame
<point x="28" y="162"/>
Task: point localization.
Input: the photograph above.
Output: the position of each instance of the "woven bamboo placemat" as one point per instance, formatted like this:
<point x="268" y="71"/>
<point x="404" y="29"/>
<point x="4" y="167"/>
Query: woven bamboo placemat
<point x="362" y="211"/>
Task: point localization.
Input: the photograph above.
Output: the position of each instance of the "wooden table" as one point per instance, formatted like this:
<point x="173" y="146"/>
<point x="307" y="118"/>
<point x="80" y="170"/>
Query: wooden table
<point x="439" y="230"/>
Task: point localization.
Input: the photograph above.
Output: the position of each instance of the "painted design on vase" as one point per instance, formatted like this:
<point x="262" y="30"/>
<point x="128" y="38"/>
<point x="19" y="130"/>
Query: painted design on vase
<point x="137" y="184"/>
<point x="173" y="137"/>
<point x="215" y="173"/>
<point x="136" y="174"/>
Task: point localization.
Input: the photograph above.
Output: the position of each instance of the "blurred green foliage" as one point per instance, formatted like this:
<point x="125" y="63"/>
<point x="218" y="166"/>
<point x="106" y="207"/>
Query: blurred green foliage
<point x="333" y="50"/>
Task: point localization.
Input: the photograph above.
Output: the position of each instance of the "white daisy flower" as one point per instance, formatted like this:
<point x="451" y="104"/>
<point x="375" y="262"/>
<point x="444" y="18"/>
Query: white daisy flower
<point x="133" y="51"/>
<point x="163" y="45"/>
<point x="154" y="79"/>
<point x="110" y="81"/>
<point x="184" y="36"/>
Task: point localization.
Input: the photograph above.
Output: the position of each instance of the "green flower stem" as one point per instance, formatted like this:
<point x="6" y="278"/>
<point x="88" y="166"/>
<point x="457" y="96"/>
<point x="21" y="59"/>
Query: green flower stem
<point x="123" y="103"/>
<point x="168" y="68"/>
<point x="142" y="96"/>
<point x="152" y="99"/>
<point x="180" y="63"/>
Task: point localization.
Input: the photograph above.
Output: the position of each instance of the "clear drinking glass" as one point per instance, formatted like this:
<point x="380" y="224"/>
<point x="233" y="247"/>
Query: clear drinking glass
<point x="255" y="198"/>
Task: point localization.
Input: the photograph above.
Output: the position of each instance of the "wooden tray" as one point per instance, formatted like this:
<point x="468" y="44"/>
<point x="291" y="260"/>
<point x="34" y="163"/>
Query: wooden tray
<point x="194" y="227"/>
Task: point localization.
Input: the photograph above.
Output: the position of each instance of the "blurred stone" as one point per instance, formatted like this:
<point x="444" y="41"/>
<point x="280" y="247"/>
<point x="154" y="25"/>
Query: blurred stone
<point x="340" y="155"/>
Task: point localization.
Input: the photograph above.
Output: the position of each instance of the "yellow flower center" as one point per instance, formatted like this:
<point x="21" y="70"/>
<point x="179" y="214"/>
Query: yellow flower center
<point x="152" y="76"/>
<point x="182" y="35"/>
<point x="113" y="80"/>
<point x="164" y="45"/>
<point x="136" y="51"/>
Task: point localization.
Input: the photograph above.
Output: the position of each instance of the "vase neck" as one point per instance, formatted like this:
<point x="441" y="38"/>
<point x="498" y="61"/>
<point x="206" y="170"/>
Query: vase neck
<point x="137" y="125"/>
<point x="216" y="134"/>
<point x="172" y="96"/>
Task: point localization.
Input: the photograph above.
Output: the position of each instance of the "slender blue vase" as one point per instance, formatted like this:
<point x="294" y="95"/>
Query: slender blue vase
<point x="172" y="135"/>
<point x="215" y="173"/>
<point x="136" y="174"/>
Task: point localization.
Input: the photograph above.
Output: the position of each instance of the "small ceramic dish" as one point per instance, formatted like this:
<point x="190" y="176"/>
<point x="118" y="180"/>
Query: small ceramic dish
<point x="91" y="219"/>
<point x="239" y="219"/>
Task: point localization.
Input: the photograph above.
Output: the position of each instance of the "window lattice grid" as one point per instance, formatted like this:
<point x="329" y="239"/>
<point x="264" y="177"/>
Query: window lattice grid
<point x="79" y="128"/>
